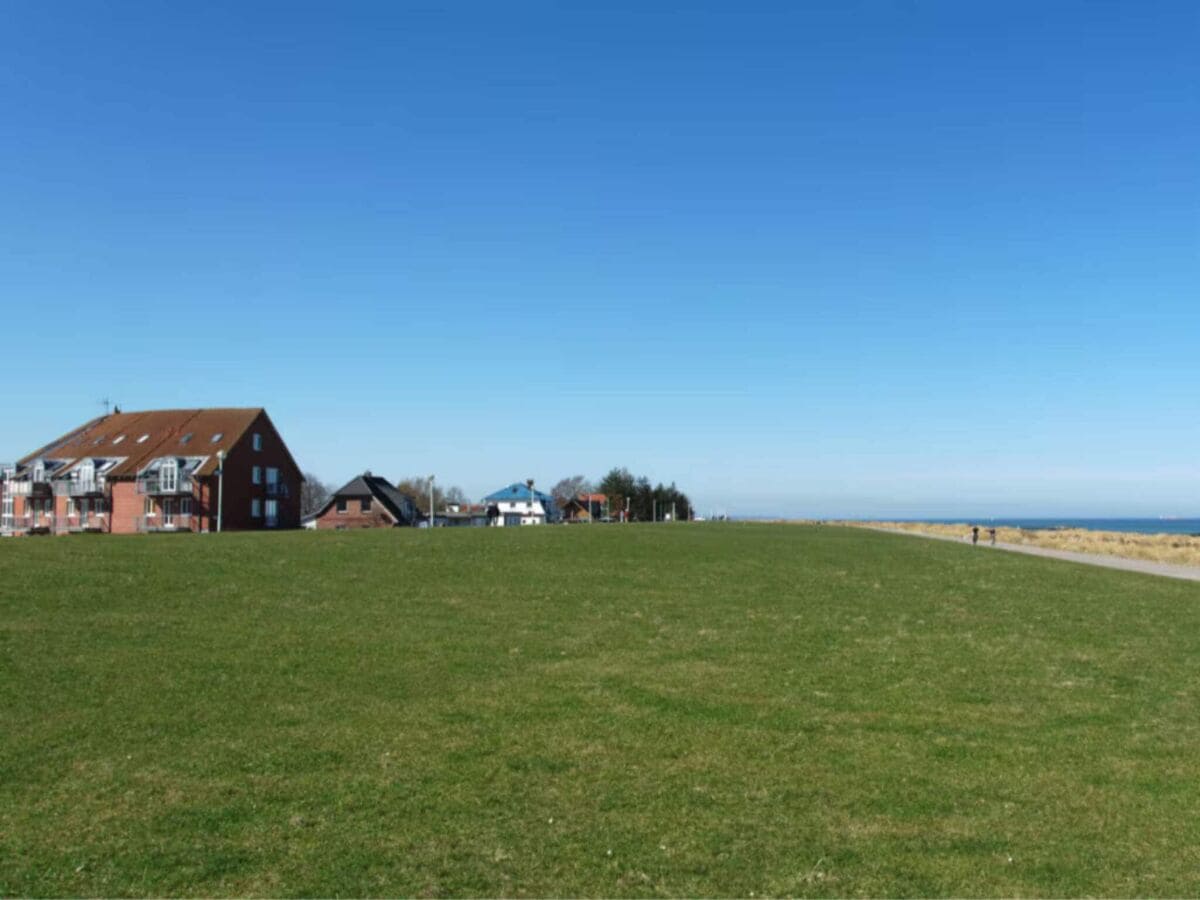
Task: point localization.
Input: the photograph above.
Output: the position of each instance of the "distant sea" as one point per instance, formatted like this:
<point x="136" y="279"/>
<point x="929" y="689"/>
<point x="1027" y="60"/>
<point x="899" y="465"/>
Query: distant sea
<point x="1139" y="526"/>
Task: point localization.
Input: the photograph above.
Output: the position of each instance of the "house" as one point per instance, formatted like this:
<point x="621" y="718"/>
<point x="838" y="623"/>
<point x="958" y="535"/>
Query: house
<point x="158" y="470"/>
<point x="520" y="504"/>
<point x="584" y="508"/>
<point x="462" y="515"/>
<point x="367" y="501"/>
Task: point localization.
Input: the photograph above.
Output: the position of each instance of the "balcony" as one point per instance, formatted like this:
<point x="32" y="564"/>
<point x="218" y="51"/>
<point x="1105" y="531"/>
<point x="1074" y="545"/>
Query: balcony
<point x="277" y="489"/>
<point x="165" y="523"/>
<point x="40" y="523"/>
<point x="76" y="523"/>
<point x="23" y="487"/>
<point x="153" y="483"/>
<point x="72" y="487"/>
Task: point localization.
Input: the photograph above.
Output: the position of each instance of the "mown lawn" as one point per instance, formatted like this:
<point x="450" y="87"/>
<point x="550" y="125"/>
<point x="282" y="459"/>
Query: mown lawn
<point x="614" y="710"/>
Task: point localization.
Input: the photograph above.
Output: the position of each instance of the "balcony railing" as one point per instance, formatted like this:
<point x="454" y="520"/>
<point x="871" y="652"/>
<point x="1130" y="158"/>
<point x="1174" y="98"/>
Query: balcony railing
<point x="42" y="523"/>
<point x="75" y="522"/>
<point x="174" y="522"/>
<point x="27" y="488"/>
<point x="78" y="488"/>
<point x="277" y="489"/>
<point x="154" y="484"/>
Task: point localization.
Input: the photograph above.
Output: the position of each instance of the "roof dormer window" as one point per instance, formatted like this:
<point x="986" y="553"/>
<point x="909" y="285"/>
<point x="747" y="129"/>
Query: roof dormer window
<point x="118" y="439"/>
<point x="187" y="437"/>
<point x="168" y="476"/>
<point x="217" y="437"/>
<point x="143" y="438"/>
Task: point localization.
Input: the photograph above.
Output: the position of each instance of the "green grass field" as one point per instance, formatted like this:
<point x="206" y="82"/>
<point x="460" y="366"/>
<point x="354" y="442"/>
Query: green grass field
<point x="623" y="710"/>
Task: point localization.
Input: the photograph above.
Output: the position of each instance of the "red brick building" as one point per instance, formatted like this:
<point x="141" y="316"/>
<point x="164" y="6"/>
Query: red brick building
<point x="367" y="501"/>
<point x="159" y="470"/>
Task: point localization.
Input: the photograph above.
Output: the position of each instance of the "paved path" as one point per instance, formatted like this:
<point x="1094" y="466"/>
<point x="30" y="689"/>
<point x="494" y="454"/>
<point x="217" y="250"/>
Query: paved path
<point x="1145" y="566"/>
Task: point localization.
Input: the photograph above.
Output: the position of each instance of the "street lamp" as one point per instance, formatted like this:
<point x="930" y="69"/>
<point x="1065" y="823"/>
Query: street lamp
<point x="431" y="501"/>
<point x="220" y="486"/>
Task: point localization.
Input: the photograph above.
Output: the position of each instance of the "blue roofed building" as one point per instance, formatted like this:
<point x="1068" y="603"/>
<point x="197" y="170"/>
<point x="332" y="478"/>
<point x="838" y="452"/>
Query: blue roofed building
<point x="520" y="504"/>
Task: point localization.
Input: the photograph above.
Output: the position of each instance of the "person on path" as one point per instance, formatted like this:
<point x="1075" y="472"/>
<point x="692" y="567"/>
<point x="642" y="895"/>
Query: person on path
<point x="992" y="535"/>
<point x="974" y="534"/>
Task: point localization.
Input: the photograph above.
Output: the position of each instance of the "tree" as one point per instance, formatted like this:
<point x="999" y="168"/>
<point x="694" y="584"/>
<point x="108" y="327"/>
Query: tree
<point x="314" y="493"/>
<point x="417" y="488"/>
<point x="569" y="488"/>
<point x="645" y="502"/>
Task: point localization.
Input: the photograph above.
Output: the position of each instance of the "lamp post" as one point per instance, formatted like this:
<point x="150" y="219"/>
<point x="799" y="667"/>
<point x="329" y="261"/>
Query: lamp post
<point x="220" y="486"/>
<point x="431" y="502"/>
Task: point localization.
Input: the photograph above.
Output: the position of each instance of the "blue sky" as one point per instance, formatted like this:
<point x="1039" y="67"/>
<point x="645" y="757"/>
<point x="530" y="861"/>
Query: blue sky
<point x="845" y="258"/>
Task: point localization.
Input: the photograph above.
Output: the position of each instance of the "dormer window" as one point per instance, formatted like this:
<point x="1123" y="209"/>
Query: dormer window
<point x="217" y="437"/>
<point x="118" y="439"/>
<point x="86" y="474"/>
<point x="143" y="438"/>
<point x="168" y="476"/>
<point x="187" y="437"/>
<point x="39" y="471"/>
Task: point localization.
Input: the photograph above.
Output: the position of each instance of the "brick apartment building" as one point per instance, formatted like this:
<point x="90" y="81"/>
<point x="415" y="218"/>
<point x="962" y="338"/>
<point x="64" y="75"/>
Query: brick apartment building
<point x="159" y="470"/>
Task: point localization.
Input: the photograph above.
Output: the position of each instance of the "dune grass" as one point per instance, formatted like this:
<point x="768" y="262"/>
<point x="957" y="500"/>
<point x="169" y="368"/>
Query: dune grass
<point x="1180" y="549"/>
<point x="611" y="710"/>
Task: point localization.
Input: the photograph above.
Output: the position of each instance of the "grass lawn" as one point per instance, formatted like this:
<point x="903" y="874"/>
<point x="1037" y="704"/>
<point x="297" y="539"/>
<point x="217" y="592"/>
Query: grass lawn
<point x="621" y="710"/>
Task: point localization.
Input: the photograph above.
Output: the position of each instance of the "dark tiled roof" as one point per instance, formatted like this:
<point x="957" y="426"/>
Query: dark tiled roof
<point x="367" y="485"/>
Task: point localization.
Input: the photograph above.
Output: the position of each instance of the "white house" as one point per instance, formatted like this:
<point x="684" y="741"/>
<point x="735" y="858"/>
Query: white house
<point x="520" y="504"/>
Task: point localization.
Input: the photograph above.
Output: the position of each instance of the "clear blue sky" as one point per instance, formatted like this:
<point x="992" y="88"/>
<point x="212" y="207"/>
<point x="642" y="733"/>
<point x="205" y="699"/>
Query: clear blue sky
<point x="843" y="258"/>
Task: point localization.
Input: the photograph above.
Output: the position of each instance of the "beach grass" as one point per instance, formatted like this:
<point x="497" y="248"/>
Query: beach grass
<point x="699" y="710"/>
<point x="1179" y="549"/>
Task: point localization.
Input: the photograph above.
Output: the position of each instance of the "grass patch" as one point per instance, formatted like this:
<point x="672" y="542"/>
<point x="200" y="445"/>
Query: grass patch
<point x="624" y="710"/>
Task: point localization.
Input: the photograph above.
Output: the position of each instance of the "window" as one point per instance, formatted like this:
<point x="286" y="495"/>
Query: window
<point x="187" y="437"/>
<point x="185" y="506"/>
<point x="70" y="506"/>
<point x="217" y="437"/>
<point x="98" y="441"/>
<point x="256" y="475"/>
<point x="100" y="505"/>
<point x="341" y="504"/>
<point x="168" y="477"/>
<point x="143" y="438"/>
<point x="257" y="441"/>
<point x="148" y="507"/>
<point x="118" y="439"/>
<point x="256" y="508"/>
<point x="365" y="504"/>
<point x="168" y="516"/>
<point x="272" y="513"/>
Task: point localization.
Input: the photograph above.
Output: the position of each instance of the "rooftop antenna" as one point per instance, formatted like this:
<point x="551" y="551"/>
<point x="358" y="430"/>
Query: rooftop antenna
<point x="106" y="403"/>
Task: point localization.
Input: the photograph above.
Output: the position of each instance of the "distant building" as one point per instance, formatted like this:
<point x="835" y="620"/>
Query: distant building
<point x="462" y="515"/>
<point x="367" y="501"/>
<point x="584" y="508"/>
<point x="158" y="470"/>
<point x="520" y="504"/>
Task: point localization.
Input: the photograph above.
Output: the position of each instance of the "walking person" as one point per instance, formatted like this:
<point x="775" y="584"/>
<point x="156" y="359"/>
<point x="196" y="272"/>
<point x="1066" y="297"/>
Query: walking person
<point x="992" y="535"/>
<point x="975" y="535"/>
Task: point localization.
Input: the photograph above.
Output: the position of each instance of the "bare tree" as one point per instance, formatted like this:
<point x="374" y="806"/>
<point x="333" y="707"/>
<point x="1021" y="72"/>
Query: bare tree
<point x="314" y="493"/>
<point x="417" y="487"/>
<point x="571" y="487"/>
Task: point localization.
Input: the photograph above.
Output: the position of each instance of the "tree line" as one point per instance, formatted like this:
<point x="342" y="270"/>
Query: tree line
<point x="625" y="491"/>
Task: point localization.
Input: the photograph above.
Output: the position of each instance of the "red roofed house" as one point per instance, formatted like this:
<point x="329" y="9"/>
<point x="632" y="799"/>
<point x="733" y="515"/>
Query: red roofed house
<point x="159" y="470"/>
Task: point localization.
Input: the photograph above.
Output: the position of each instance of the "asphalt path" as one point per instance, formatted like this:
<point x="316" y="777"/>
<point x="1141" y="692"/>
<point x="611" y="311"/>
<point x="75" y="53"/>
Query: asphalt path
<point x="1145" y="566"/>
